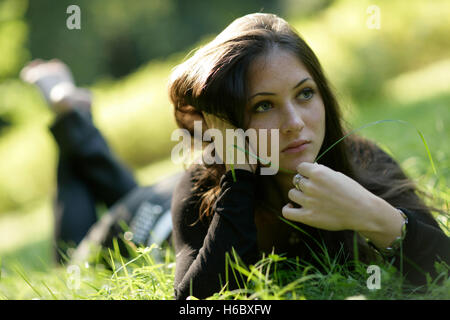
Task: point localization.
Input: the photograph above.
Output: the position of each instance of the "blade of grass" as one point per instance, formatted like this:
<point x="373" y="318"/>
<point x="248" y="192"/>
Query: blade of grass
<point x="293" y="285"/>
<point x="345" y="136"/>
<point x="50" y="291"/>
<point x="24" y="277"/>
<point x="379" y="122"/>
<point x="428" y="151"/>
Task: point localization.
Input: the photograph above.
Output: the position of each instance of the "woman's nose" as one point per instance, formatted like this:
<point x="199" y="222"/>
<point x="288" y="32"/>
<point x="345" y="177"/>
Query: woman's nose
<point x="291" y="120"/>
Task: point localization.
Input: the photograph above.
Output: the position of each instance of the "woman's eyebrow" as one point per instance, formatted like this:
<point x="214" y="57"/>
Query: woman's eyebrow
<point x="301" y="82"/>
<point x="272" y="94"/>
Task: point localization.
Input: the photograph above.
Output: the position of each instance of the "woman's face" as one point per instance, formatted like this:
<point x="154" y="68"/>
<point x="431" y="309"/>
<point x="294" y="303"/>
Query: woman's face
<point x="284" y="96"/>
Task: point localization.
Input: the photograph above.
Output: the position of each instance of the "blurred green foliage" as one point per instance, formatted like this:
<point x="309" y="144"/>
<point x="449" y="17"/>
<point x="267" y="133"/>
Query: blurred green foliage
<point x="118" y="36"/>
<point x="125" y="51"/>
<point x="13" y="36"/>
<point x="360" y="59"/>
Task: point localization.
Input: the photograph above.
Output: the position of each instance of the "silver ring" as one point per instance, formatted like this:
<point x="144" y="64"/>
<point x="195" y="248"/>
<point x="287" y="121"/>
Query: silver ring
<point x="297" y="178"/>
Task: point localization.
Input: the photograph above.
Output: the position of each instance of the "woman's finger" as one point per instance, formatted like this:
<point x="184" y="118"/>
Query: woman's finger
<point x="297" y="196"/>
<point x="294" y="214"/>
<point x="300" y="182"/>
<point x="308" y="169"/>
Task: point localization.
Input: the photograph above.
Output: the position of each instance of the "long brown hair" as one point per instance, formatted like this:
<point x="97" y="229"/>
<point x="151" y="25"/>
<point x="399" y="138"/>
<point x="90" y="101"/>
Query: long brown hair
<point x="214" y="80"/>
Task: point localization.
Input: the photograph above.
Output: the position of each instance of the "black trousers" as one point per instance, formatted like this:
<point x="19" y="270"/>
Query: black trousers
<point x="88" y="174"/>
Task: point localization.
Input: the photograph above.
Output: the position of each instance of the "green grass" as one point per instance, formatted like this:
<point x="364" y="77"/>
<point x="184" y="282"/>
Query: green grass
<point x="272" y="278"/>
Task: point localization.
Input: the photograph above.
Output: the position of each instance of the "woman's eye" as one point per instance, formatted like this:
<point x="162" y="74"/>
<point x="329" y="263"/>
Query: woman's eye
<point x="263" y="106"/>
<point x="306" y="94"/>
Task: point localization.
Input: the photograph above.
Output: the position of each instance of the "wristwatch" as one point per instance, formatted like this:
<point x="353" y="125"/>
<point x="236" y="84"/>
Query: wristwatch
<point x="395" y="246"/>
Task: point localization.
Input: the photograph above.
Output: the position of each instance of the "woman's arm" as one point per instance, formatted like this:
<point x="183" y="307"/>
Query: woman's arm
<point x="200" y="250"/>
<point x="425" y="243"/>
<point x="423" y="246"/>
<point x="331" y="200"/>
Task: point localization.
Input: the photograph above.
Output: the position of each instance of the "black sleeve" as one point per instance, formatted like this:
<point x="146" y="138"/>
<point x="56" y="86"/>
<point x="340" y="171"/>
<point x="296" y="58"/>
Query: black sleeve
<point x="424" y="245"/>
<point x="201" y="250"/>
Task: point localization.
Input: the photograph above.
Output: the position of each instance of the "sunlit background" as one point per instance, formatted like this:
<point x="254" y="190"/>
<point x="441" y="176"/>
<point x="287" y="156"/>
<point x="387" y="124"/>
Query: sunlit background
<point x="386" y="60"/>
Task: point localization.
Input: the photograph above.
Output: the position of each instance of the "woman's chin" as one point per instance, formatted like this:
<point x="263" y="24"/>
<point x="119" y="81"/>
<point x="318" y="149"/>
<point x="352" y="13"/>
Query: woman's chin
<point x="292" y="165"/>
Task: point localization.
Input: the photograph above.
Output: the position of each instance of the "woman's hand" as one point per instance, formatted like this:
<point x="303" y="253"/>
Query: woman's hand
<point x="214" y="122"/>
<point x="333" y="201"/>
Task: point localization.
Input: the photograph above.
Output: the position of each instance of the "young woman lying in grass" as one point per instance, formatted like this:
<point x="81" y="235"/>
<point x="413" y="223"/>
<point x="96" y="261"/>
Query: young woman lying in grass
<point x="350" y="197"/>
<point x="257" y="74"/>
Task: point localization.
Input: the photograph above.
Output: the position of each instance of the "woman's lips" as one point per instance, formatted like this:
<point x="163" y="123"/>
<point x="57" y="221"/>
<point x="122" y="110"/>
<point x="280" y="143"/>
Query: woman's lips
<point x="297" y="148"/>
